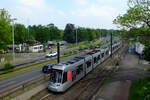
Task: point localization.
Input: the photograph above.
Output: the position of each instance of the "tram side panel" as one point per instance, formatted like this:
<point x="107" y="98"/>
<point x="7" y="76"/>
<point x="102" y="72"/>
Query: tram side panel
<point x="88" y="64"/>
<point x="75" y="71"/>
<point x="96" y="60"/>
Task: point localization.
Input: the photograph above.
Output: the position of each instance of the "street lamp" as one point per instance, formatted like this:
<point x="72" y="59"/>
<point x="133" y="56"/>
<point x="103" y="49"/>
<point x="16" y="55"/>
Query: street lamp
<point x="111" y="43"/>
<point x="13" y="36"/>
<point x="76" y="36"/>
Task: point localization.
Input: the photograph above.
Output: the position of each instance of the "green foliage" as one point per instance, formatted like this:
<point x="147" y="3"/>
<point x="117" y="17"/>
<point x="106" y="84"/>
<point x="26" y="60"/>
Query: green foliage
<point x="5" y="29"/>
<point x="140" y="89"/>
<point x="136" y="19"/>
<point x="7" y="67"/>
<point x="21" y="34"/>
<point x="148" y="69"/>
<point x="137" y="15"/>
<point x="45" y="33"/>
<point x="146" y="51"/>
<point x="69" y="33"/>
<point x="83" y="34"/>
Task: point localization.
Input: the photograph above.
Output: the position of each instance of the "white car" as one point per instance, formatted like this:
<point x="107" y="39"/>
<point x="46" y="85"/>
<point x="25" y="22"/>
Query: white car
<point x="51" y="54"/>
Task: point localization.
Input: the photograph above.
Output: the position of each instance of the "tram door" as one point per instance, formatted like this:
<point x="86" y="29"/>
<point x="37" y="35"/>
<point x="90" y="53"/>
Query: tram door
<point x="74" y="75"/>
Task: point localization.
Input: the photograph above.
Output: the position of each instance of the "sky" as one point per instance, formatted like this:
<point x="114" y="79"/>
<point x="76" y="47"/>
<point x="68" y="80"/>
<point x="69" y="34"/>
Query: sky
<point x="83" y="13"/>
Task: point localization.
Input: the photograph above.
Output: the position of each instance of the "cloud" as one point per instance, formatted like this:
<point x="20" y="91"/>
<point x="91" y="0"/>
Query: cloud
<point x="86" y="13"/>
<point x="95" y="10"/>
<point x="33" y="3"/>
<point x="81" y="2"/>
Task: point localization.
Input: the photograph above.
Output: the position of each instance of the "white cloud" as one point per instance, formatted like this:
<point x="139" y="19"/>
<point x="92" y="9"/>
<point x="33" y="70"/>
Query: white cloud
<point x="81" y="2"/>
<point x="100" y="1"/>
<point x="95" y="10"/>
<point x="86" y="13"/>
<point x="94" y="15"/>
<point x="33" y="3"/>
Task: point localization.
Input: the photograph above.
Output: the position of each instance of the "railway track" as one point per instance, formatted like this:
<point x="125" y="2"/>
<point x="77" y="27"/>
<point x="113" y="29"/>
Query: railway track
<point x="86" y="87"/>
<point x="82" y="89"/>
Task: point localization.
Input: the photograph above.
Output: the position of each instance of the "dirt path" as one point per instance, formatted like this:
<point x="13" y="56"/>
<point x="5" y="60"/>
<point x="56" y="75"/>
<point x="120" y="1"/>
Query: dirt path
<point x="119" y="84"/>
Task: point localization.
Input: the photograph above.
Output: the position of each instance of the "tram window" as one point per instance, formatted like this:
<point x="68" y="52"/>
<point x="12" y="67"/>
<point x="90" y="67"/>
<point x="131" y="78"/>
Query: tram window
<point x="56" y="76"/>
<point x="102" y="55"/>
<point x="95" y="60"/>
<point x="98" y="57"/>
<point x="107" y="52"/>
<point x="88" y="63"/>
<point x="64" y="77"/>
<point x="79" y="69"/>
<point x="73" y="75"/>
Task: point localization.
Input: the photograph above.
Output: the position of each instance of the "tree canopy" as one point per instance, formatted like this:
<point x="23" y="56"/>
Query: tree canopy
<point x="44" y="33"/>
<point x="136" y="20"/>
<point x="138" y="15"/>
<point x="5" y="28"/>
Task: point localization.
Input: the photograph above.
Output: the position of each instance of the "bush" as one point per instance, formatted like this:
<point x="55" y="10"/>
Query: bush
<point x="146" y="52"/>
<point x="148" y="69"/>
<point x="8" y="66"/>
<point x="140" y="89"/>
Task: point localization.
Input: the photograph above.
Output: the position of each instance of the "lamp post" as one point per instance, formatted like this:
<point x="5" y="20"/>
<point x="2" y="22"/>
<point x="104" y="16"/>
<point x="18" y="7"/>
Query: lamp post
<point x="111" y="43"/>
<point x="76" y="37"/>
<point x="13" y="37"/>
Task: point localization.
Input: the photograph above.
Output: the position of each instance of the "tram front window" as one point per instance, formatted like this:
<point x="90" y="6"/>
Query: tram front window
<point x="56" y="76"/>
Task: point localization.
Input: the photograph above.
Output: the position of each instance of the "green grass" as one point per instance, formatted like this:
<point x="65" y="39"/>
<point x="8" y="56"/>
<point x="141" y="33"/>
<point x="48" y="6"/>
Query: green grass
<point x="22" y="69"/>
<point x="140" y="89"/>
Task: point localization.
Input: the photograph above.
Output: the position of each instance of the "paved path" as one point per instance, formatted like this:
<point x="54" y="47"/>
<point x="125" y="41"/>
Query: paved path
<point x="118" y="86"/>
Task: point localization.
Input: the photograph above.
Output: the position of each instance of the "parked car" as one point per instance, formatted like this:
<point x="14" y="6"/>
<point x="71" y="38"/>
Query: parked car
<point x="47" y="68"/>
<point x="51" y="54"/>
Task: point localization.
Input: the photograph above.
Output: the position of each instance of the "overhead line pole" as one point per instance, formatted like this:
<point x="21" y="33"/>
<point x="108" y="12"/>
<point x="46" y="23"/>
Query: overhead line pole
<point x="111" y="43"/>
<point x="13" y="37"/>
<point x="76" y="36"/>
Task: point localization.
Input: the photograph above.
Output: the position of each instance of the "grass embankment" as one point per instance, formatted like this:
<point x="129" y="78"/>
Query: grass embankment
<point x="22" y="69"/>
<point x="140" y="89"/>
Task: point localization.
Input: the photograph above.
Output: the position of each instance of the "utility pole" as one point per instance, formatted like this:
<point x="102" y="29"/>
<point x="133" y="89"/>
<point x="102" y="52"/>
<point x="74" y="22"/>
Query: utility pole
<point x="28" y="28"/>
<point x="13" y="37"/>
<point x="58" y="53"/>
<point x="76" y="37"/>
<point x="111" y="43"/>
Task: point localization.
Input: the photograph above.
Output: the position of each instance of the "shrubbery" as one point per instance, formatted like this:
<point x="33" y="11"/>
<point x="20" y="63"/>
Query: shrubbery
<point x="140" y="89"/>
<point x="7" y="66"/>
<point x="146" y="52"/>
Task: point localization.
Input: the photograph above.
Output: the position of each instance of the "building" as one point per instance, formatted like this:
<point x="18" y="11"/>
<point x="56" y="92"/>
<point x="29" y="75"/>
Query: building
<point x="36" y="48"/>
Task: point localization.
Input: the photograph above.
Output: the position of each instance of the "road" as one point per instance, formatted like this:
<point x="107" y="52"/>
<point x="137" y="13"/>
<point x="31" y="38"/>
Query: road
<point x="16" y="79"/>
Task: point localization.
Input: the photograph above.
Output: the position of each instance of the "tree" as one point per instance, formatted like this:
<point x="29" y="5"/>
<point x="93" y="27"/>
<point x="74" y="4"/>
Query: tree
<point x="42" y="34"/>
<point x="91" y="34"/>
<point x="138" y="15"/>
<point x="21" y="34"/>
<point x="54" y="32"/>
<point x="5" y="29"/>
<point x="69" y="33"/>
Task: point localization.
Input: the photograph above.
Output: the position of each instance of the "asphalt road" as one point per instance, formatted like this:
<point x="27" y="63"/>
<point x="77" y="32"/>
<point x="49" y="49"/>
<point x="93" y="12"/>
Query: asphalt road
<point x="16" y="79"/>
